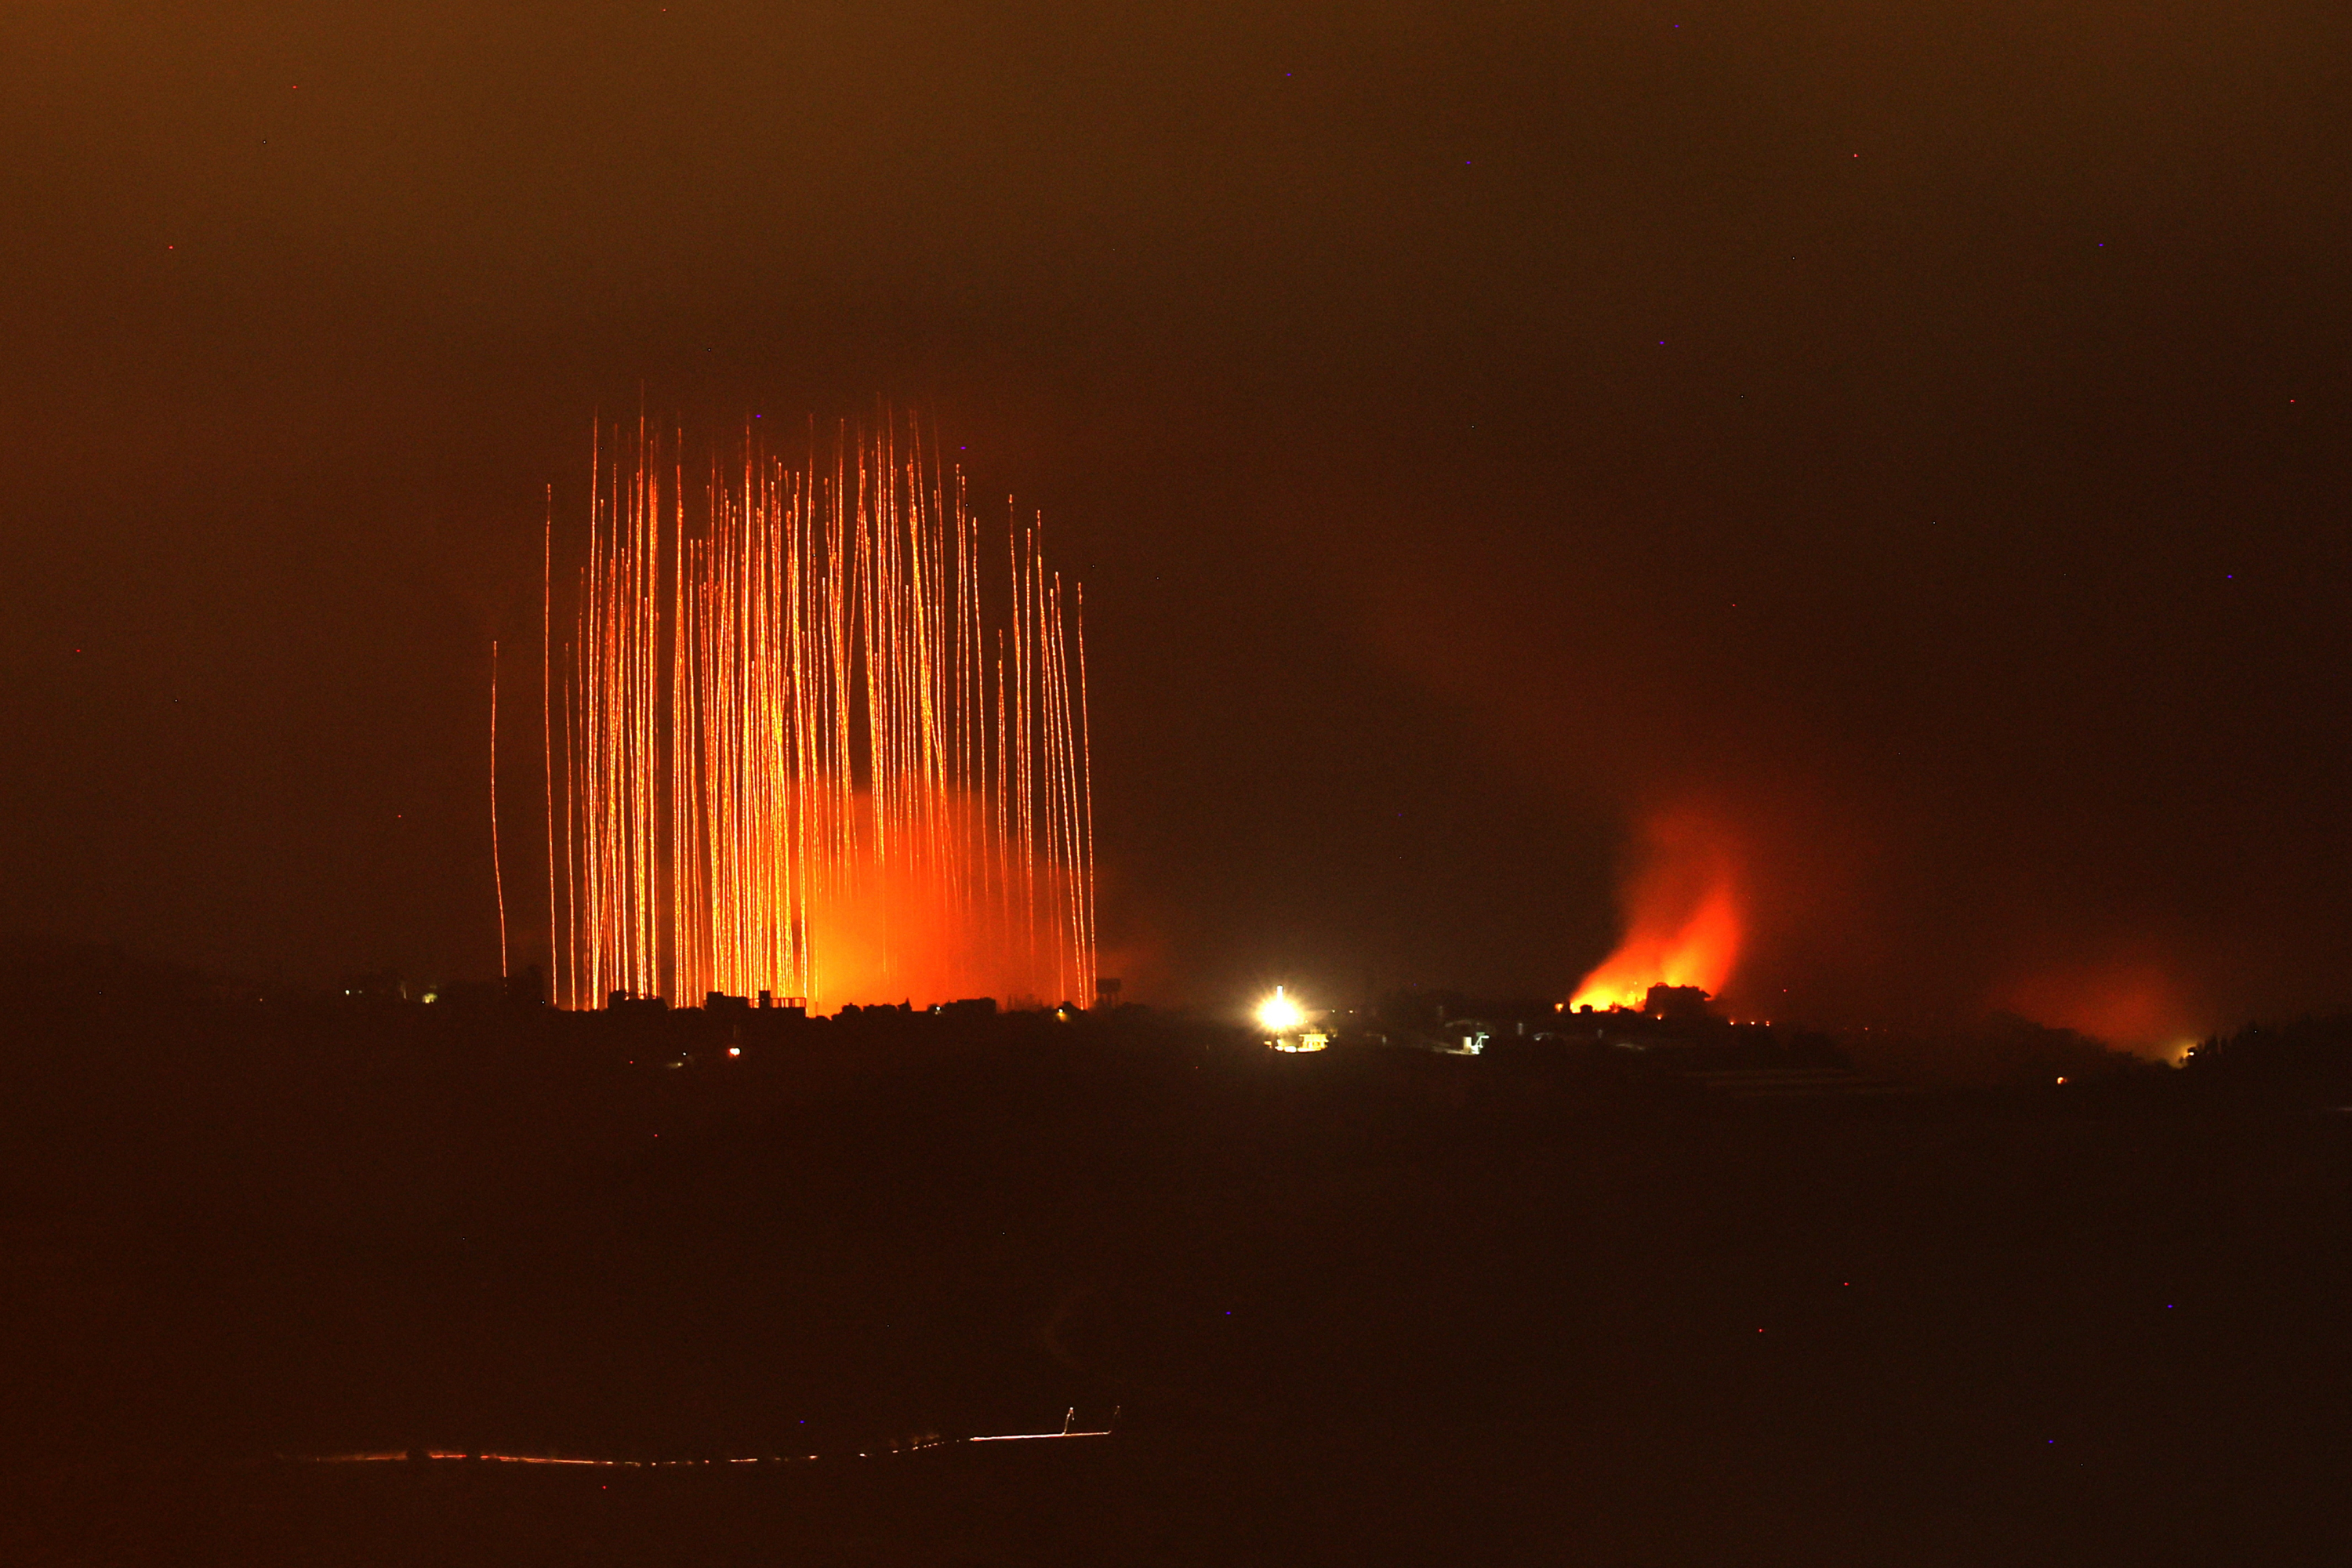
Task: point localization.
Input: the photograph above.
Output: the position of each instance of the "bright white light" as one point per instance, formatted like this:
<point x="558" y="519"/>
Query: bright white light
<point x="1278" y="1015"/>
<point x="734" y="1050"/>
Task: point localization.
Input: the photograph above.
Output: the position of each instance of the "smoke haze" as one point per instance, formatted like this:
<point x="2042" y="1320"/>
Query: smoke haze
<point x="1916" y="440"/>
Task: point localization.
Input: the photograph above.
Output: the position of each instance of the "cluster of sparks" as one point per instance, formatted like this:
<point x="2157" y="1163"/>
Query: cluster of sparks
<point x="812" y="734"/>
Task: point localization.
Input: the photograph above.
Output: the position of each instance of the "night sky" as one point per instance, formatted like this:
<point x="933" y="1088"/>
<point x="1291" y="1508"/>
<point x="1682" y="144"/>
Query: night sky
<point x="1911" y="440"/>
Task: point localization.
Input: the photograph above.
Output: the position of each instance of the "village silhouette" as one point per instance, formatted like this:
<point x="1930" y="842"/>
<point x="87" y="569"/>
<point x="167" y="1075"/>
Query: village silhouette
<point x="1531" y="1257"/>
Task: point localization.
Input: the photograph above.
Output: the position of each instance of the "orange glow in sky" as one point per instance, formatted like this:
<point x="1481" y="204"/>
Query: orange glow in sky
<point x="1683" y="919"/>
<point x="2133" y="1007"/>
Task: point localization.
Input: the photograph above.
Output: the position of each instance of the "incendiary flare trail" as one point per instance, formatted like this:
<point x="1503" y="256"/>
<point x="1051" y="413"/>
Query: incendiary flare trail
<point x="812" y="734"/>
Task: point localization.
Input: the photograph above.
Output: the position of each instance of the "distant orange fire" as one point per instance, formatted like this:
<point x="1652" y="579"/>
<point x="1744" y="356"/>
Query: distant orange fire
<point x="1684" y="920"/>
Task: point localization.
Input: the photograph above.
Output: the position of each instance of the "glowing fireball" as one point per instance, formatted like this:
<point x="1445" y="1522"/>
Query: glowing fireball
<point x="1278" y="1015"/>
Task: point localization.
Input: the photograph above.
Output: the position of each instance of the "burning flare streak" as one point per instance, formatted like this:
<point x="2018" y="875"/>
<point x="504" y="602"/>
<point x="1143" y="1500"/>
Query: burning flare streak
<point x="820" y="741"/>
<point x="498" y="873"/>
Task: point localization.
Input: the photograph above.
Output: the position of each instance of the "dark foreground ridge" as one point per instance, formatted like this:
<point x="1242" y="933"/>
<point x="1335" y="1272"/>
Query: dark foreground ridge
<point x="1371" y="1304"/>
